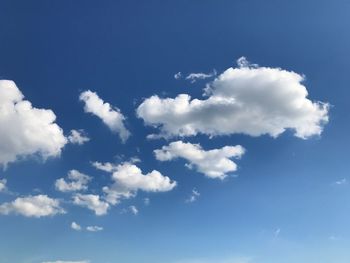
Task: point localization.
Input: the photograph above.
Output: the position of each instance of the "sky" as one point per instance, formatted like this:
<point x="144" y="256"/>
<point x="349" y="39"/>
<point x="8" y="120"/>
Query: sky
<point x="174" y="131"/>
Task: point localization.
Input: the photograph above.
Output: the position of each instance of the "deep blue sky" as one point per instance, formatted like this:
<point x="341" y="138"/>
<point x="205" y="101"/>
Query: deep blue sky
<point x="129" y="50"/>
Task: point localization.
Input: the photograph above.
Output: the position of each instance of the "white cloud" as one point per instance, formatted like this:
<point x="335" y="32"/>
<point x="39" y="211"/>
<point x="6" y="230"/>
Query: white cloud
<point x="128" y="179"/>
<point x="215" y="163"/>
<point x="133" y="209"/>
<point x="193" y="197"/>
<point x="25" y="130"/>
<point x="75" y="226"/>
<point x="193" y="77"/>
<point x="64" y="261"/>
<point x="178" y="75"/>
<point x="342" y="181"/>
<point x="92" y="202"/>
<point x="77" y="182"/>
<point x="78" y="137"/>
<point x="111" y="116"/>
<point x="248" y="100"/>
<point x="94" y="228"/>
<point x="32" y="206"/>
<point x="3" y="183"/>
<point x="107" y="167"/>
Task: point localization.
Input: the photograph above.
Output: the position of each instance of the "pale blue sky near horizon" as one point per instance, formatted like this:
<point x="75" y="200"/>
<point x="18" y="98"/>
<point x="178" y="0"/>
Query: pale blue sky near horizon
<point x="287" y="202"/>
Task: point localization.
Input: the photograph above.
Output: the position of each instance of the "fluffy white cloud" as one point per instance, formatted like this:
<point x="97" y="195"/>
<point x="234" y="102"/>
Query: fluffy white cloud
<point x="75" y="226"/>
<point x="193" y="197"/>
<point x="107" y="167"/>
<point x="193" y="77"/>
<point x="77" y="182"/>
<point x="25" y="130"/>
<point x="213" y="163"/>
<point x="94" y="228"/>
<point x="3" y="185"/>
<point x="128" y="179"/>
<point x="63" y="261"/>
<point x="111" y="116"/>
<point x="92" y="202"/>
<point x="32" y="206"/>
<point x="78" y="137"/>
<point x="248" y="100"/>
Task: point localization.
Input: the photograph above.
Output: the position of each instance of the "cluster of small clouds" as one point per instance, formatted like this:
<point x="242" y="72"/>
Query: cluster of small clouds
<point x="77" y="182"/>
<point x="193" y="197"/>
<point x="248" y="99"/>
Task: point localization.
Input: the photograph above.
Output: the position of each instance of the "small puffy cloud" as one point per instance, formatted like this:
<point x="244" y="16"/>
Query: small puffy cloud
<point x="92" y="202"/>
<point x="94" y="228"/>
<point x="193" y="77"/>
<point x="75" y="226"/>
<point x="107" y="167"/>
<point x="64" y="261"/>
<point x="78" y="137"/>
<point x="193" y="197"/>
<point x="110" y="115"/>
<point x="215" y="163"/>
<point x="128" y="179"/>
<point x="133" y="209"/>
<point x="248" y="100"/>
<point x="77" y="181"/>
<point x="178" y="75"/>
<point x="3" y="183"/>
<point x="32" y="206"/>
<point x="24" y="129"/>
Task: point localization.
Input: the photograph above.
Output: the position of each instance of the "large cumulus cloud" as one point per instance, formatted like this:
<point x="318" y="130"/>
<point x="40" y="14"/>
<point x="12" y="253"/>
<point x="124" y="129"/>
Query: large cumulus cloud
<point x="24" y="129"/>
<point x="248" y="99"/>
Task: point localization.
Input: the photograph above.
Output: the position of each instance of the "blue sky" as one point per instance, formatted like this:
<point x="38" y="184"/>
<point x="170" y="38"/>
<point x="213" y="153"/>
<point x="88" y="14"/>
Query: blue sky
<point x="253" y="171"/>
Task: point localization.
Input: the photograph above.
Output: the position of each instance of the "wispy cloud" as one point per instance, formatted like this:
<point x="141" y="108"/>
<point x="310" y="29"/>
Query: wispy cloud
<point x="193" y="197"/>
<point x="193" y="77"/>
